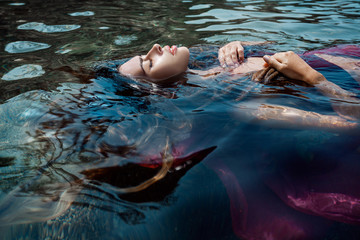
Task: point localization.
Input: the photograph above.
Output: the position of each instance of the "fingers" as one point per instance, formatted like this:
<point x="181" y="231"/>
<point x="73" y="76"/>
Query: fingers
<point x="265" y="75"/>
<point x="234" y="55"/>
<point x="240" y="53"/>
<point x="221" y="56"/>
<point x="237" y="52"/>
<point x="273" y="62"/>
<point x="228" y="60"/>
<point x="259" y="75"/>
<point x="271" y="71"/>
<point x="270" y="75"/>
<point x="231" y="55"/>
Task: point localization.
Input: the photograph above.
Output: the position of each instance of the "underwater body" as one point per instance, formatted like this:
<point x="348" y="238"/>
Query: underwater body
<point x="89" y="156"/>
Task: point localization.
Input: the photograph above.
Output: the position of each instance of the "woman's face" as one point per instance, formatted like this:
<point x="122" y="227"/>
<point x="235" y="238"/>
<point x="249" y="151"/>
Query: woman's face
<point x="158" y="64"/>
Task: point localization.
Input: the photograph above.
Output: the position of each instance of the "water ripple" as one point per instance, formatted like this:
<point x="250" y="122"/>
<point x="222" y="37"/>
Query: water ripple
<point x="82" y="14"/>
<point x="25" y="46"/>
<point x="124" y="40"/>
<point x="200" y="6"/>
<point x="16" y="4"/>
<point x="41" y="27"/>
<point x="24" y="71"/>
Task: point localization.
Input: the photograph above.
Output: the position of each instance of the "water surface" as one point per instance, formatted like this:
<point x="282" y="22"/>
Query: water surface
<point x="81" y="139"/>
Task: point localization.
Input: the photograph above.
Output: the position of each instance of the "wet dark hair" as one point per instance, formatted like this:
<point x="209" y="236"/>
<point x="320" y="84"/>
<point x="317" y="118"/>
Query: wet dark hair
<point x="108" y="69"/>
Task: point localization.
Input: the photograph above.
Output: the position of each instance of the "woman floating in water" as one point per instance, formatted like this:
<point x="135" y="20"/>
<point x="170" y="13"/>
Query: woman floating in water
<point x="161" y="64"/>
<point x="164" y="64"/>
<point x="326" y="186"/>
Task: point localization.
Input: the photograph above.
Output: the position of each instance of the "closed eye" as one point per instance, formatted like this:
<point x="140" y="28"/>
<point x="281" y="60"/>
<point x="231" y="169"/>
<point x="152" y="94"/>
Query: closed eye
<point x="141" y="65"/>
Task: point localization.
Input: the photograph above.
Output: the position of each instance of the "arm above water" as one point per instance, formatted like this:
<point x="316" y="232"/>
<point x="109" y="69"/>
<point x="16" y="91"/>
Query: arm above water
<point x="232" y="54"/>
<point x="232" y="59"/>
<point x="292" y="66"/>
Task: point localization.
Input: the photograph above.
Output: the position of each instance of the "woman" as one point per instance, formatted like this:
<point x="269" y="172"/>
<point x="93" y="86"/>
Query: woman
<point x="161" y="64"/>
<point x="329" y="192"/>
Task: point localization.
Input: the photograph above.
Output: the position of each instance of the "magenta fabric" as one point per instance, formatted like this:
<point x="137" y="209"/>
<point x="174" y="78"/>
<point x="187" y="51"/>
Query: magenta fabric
<point x="346" y="50"/>
<point x="291" y="201"/>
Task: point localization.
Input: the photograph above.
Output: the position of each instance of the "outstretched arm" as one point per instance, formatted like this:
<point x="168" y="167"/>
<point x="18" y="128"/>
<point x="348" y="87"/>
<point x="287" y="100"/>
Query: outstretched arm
<point x="292" y="66"/>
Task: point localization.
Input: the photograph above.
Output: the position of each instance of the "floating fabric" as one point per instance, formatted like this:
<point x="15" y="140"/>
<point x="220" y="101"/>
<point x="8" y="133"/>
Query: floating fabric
<point x="24" y="71"/>
<point x="41" y="27"/>
<point x="25" y="46"/>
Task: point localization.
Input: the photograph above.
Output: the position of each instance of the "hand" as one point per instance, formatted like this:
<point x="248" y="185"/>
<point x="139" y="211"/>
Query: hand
<point x="231" y="55"/>
<point x="265" y="75"/>
<point x="292" y="66"/>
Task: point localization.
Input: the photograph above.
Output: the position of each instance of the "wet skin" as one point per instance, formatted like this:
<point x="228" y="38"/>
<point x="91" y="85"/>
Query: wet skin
<point x="158" y="64"/>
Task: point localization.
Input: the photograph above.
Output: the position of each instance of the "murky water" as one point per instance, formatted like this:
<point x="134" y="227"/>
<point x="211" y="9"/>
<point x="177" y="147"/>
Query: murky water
<point x="89" y="156"/>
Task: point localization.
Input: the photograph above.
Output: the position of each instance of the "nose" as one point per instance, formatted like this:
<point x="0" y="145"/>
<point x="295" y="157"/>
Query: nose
<point x="156" y="49"/>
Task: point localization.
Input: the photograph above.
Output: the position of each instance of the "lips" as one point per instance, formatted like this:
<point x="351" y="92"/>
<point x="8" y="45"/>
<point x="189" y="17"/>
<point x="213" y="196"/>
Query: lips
<point x="172" y="49"/>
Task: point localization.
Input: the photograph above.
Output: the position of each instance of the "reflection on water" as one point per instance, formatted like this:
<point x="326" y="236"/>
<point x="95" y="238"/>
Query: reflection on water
<point x="25" y="46"/>
<point x="41" y="27"/>
<point x="97" y="155"/>
<point x="24" y="71"/>
<point x="86" y="13"/>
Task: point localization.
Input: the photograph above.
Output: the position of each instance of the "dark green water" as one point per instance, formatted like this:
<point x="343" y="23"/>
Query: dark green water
<point x="55" y="126"/>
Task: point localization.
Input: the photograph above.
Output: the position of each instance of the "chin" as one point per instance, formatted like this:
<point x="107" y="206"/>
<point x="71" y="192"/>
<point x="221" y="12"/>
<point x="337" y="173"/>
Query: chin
<point x="184" y="49"/>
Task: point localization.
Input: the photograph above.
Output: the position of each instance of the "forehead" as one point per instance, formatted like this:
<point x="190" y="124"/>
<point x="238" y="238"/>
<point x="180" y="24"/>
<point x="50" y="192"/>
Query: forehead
<point x="132" y="67"/>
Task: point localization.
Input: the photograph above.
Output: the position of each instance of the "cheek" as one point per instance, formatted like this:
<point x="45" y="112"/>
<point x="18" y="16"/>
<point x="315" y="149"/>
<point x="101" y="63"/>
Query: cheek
<point x="162" y="72"/>
<point x="165" y="68"/>
<point x="180" y="64"/>
<point x="177" y="67"/>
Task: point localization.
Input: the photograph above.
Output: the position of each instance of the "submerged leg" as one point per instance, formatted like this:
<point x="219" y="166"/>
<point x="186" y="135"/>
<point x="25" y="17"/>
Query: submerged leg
<point x="293" y="117"/>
